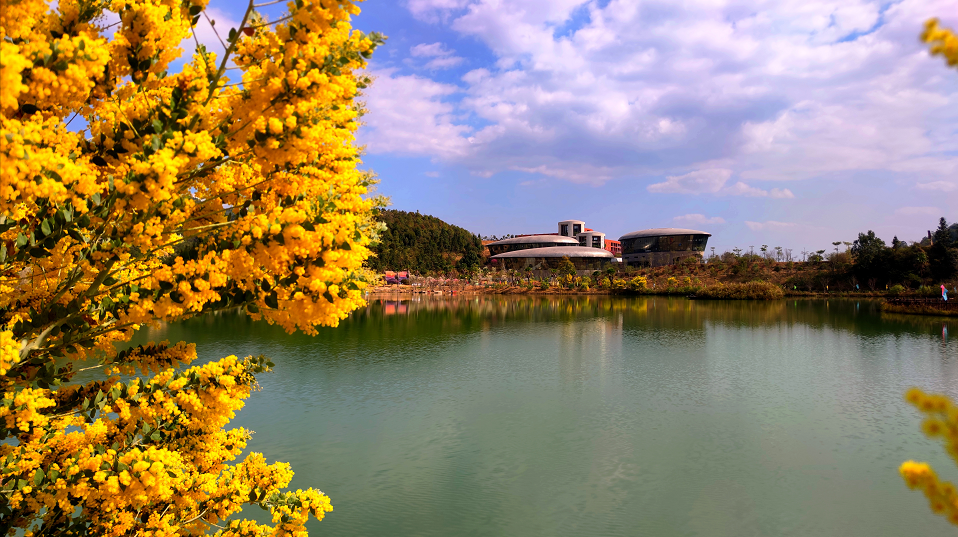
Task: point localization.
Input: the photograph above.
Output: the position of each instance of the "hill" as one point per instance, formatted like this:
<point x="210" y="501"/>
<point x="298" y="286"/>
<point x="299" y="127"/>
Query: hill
<point x="423" y="243"/>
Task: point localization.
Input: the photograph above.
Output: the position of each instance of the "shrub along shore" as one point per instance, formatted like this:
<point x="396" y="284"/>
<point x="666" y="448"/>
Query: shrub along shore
<point x="749" y="278"/>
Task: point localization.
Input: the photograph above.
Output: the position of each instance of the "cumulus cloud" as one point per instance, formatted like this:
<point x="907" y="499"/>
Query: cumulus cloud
<point x="785" y="90"/>
<point x="408" y="115"/>
<point x="699" y="219"/>
<point x="768" y="224"/>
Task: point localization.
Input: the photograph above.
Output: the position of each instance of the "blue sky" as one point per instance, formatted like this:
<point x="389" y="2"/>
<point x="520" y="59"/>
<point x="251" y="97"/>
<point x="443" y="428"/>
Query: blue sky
<point x="791" y="123"/>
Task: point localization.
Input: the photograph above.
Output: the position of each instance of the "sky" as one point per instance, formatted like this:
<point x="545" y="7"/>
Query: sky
<point x="792" y="123"/>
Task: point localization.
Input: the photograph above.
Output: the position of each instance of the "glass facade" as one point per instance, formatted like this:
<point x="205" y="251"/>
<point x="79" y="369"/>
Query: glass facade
<point x="664" y="243"/>
<point x="503" y="248"/>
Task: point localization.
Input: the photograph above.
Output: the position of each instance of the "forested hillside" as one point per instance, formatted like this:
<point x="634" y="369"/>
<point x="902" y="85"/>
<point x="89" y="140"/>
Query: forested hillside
<point x="423" y="243"/>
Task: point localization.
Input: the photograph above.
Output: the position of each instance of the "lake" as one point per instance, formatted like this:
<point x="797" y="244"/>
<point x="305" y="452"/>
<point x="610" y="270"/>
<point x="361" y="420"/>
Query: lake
<point x="597" y="415"/>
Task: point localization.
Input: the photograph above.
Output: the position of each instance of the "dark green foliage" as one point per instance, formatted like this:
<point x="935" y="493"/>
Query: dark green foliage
<point x="423" y="243"/>
<point x="942" y="256"/>
<point x="566" y="267"/>
<point x="871" y="258"/>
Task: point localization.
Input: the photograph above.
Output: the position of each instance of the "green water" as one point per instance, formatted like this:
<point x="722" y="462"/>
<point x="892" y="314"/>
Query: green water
<point x="600" y="416"/>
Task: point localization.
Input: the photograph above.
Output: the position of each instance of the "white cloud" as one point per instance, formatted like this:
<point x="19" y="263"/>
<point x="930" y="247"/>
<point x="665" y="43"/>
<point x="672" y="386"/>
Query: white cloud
<point x="918" y="211"/>
<point x="444" y="63"/>
<point x="697" y="182"/>
<point x="943" y="186"/>
<point x="699" y="219"/>
<point x="434" y="10"/>
<point x="408" y="115"/>
<point x="769" y="224"/>
<point x="429" y="51"/>
<point x="442" y="58"/>
<point x="588" y="175"/>
<point x="778" y="90"/>
<point x="712" y="181"/>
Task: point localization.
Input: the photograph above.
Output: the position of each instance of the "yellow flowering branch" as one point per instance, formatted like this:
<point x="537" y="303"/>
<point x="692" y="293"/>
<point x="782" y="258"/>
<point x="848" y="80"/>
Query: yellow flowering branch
<point x="188" y="194"/>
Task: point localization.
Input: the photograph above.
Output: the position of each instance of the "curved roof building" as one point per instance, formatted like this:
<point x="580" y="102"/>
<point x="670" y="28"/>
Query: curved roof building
<point x="529" y="241"/>
<point x="584" y="258"/>
<point x="662" y="246"/>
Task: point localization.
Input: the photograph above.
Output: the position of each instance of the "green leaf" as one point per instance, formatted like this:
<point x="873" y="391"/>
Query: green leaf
<point x="271" y="300"/>
<point x="38" y="477"/>
<point x="157" y="126"/>
<point x="155" y="436"/>
<point x="21" y="240"/>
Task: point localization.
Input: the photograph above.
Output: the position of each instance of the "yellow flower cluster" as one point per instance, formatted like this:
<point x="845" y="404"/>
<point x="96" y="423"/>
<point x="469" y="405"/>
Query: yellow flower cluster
<point x="9" y="351"/>
<point x="941" y="421"/>
<point x="154" y="460"/>
<point x="943" y="41"/>
<point x="186" y="193"/>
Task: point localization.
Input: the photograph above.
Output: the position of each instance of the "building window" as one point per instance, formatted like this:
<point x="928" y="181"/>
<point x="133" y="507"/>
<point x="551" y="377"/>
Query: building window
<point x="565" y="230"/>
<point x="576" y="229"/>
<point x="596" y="242"/>
<point x="582" y="240"/>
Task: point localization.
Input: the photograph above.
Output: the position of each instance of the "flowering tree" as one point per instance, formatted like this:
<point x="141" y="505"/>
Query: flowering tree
<point x="941" y="414"/>
<point x="231" y="184"/>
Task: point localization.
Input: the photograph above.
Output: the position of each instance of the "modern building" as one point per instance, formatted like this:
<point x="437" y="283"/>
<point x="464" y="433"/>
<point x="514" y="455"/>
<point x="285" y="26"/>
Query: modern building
<point x="662" y="246"/>
<point x="526" y="242"/>
<point x="571" y="228"/>
<point x="593" y="239"/>
<point x="543" y="260"/>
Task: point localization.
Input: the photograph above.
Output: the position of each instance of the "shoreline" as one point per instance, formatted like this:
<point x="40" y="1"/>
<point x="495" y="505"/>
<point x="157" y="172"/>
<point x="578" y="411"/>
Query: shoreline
<point x="406" y="290"/>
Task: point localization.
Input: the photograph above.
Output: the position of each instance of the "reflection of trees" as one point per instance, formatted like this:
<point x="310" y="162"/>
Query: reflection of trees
<point x="427" y="318"/>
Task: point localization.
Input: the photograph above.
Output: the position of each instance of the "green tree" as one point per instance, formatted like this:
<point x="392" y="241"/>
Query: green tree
<point x="566" y="267"/>
<point x="943" y="256"/>
<point x="869" y="253"/>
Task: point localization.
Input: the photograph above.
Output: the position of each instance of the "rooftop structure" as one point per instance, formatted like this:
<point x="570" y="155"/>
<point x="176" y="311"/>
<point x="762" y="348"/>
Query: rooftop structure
<point x="662" y="246"/>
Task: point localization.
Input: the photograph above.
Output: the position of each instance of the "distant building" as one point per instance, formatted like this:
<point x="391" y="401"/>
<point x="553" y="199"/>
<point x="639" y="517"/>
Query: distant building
<point x="662" y="246"/>
<point x="525" y="242"/>
<point x="542" y="260"/>
<point x="571" y="228"/>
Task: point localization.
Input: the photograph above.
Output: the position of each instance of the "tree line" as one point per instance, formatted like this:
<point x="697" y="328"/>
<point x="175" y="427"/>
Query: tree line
<point x="877" y="264"/>
<point x="423" y="243"/>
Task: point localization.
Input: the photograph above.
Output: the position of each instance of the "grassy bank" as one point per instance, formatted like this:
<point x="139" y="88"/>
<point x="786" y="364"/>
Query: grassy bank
<point x="742" y="291"/>
<point x="942" y="309"/>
